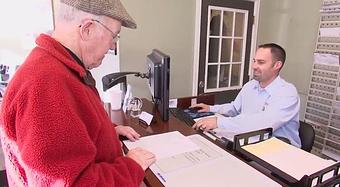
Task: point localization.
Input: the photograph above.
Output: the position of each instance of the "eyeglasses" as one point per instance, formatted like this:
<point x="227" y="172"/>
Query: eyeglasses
<point x="115" y="37"/>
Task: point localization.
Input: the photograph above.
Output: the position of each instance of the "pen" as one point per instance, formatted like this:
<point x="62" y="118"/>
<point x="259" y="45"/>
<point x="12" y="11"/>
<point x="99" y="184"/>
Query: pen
<point x="210" y="135"/>
<point x="160" y="176"/>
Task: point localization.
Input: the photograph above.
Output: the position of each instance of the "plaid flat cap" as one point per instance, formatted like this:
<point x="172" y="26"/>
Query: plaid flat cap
<point x="111" y="8"/>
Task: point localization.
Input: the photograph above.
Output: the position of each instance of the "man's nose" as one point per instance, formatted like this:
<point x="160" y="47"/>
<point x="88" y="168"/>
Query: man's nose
<point x="254" y="65"/>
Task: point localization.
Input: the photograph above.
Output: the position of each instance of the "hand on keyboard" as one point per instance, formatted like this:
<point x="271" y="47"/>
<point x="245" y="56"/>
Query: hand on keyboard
<point x="201" y="107"/>
<point x="194" y="109"/>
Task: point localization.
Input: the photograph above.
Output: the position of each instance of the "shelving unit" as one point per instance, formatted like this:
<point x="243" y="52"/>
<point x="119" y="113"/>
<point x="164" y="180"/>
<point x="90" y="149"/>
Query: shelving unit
<point x="323" y="101"/>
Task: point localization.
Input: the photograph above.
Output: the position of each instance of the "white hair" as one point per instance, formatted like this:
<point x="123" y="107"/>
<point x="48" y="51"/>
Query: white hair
<point x="68" y="13"/>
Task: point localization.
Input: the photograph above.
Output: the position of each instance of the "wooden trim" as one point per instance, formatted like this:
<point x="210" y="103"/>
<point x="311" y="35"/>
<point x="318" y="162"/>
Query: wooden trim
<point x="197" y="41"/>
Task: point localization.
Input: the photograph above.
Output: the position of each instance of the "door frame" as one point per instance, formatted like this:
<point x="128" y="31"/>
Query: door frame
<point x="197" y="41"/>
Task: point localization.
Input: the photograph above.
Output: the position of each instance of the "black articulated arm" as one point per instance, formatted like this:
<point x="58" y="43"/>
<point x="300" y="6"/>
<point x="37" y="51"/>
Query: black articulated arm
<point x="112" y="79"/>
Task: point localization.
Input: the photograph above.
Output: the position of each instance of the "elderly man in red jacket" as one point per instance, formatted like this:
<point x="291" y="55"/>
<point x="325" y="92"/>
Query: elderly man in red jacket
<point x="54" y="129"/>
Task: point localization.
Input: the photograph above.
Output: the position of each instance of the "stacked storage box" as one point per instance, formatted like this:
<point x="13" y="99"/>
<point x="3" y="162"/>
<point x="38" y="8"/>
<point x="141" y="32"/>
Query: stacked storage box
<point x="323" y="101"/>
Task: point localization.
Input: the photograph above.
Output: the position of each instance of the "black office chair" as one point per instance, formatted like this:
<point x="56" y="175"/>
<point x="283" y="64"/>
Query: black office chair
<point x="307" y="136"/>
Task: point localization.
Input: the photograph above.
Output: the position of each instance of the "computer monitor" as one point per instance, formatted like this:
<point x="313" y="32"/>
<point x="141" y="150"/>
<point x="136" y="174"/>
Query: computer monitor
<point x="158" y="68"/>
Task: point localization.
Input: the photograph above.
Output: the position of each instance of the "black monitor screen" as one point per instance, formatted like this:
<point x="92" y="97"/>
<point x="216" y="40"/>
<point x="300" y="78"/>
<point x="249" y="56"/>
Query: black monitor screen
<point x="158" y="67"/>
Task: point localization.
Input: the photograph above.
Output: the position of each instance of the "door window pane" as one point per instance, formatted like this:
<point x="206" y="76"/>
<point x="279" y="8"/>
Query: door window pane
<point x="212" y="76"/>
<point x="226" y="50"/>
<point x="235" y="74"/>
<point x="213" y="50"/>
<point x="237" y="51"/>
<point x="239" y="24"/>
<point x="228" y="23"/>
<point x="215" y="22"/>
<point x="224" y="76"/>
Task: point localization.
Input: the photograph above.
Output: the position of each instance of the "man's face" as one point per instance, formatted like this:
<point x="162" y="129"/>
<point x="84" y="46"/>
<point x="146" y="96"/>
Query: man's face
<point x="264" y="69"/>
<point x="103" y="38"/>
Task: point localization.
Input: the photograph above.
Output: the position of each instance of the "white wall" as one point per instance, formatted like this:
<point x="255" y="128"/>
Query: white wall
<point x="109" y="65"/>
<point x="167" y="26"/>
<point x="18" y="33"/>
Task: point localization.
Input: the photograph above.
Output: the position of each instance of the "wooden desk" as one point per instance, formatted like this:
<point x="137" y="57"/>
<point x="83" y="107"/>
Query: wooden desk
<point x="158" y="126"/>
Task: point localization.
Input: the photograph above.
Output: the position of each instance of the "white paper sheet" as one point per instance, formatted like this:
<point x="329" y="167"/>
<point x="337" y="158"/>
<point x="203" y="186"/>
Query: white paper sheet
<point x="330" y="32"/>
<point x="146" y="117"/>
<point x="327" y="59"/>
<point x="208" y="166"/>
<point x="338" y="92"/>
<point x="164" y="145"/>
<point x="173" y="103"/>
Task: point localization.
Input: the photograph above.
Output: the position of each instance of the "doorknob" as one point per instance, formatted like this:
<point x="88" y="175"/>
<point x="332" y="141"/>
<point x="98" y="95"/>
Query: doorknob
<point x="201" y="84"/>
<point x="200" y="88"/>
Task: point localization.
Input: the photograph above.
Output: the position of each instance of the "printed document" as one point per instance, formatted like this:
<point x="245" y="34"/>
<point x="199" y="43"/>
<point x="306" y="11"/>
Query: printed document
<point x="164" y="145"/>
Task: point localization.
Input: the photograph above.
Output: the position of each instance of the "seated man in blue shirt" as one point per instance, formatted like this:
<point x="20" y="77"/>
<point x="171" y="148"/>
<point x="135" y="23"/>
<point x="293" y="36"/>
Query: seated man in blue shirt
<point x="266" y="101"/>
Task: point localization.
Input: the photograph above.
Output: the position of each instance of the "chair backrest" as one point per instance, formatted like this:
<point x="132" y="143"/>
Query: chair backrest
<point x="307" y="136"/>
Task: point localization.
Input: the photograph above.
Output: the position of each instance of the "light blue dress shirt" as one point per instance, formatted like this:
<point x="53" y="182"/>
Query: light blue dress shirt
<point x="276" y="106"/>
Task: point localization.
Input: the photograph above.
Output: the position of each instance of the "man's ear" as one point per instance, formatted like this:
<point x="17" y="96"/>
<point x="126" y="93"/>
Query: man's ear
<point x="278" y="65"/>
<point x="85" y="29"/>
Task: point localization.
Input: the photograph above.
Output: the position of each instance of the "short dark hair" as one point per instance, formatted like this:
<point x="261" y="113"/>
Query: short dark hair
<point x="278" y="53"/>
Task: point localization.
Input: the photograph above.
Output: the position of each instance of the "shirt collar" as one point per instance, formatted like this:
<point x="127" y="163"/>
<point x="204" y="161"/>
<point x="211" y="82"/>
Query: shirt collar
<point x="75" y="57"/>
<point x="88" y="78"/>
<point x="271" y="87"/>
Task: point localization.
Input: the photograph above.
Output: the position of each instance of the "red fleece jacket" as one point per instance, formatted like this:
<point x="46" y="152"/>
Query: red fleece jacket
<point x="55" y="131"/>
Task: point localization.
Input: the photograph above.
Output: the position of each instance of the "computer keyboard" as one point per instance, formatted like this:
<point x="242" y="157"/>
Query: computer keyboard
<point x="181" y="115"/>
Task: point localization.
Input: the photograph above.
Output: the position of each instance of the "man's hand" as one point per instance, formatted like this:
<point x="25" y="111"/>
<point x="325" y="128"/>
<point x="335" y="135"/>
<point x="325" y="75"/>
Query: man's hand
<point x="206" y="124"/>
<point x="128" y="132"/>
<point x="204" y="107"/>
<point x="143" y="157"/>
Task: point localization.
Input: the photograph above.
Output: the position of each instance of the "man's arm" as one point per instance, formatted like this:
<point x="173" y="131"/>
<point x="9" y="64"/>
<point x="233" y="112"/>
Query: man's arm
<point x="275" y="115"/>
<point x="229" y="109"/>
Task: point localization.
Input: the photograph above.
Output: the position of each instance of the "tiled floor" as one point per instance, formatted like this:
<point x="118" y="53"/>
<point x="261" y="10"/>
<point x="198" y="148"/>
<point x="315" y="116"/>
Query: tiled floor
<point x="3" y="179"/>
